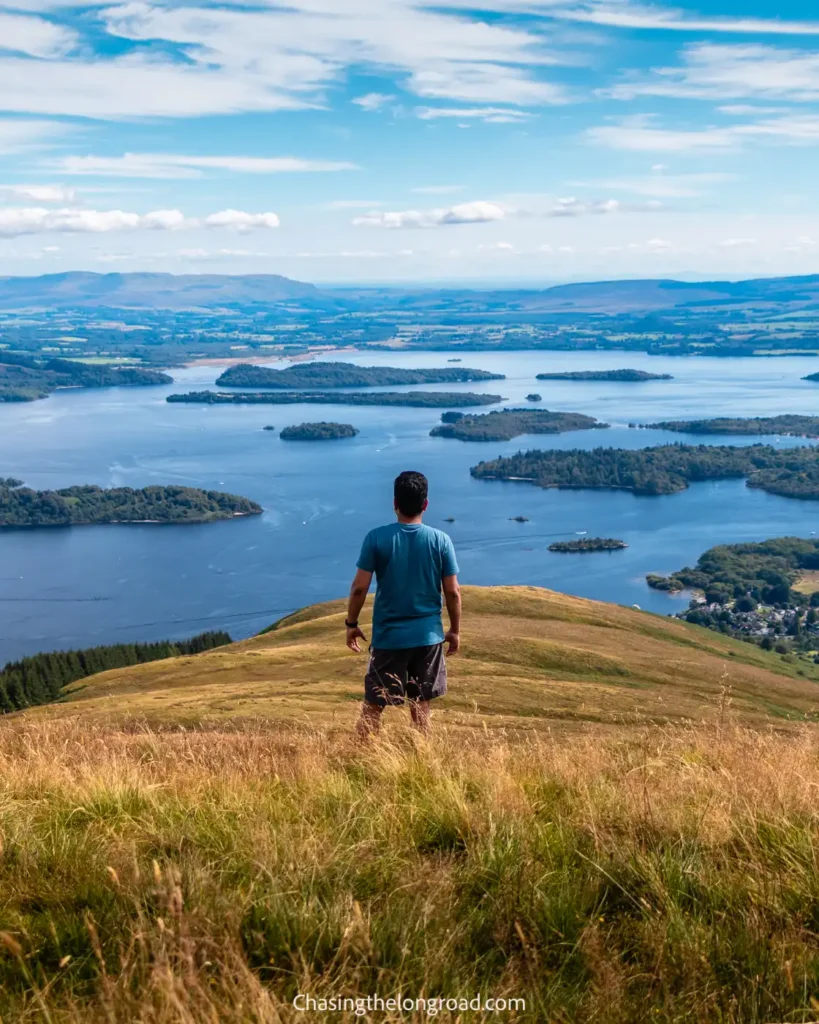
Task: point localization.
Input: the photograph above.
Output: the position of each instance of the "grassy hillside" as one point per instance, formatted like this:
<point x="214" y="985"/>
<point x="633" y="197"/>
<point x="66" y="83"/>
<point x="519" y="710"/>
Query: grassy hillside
<point x="600" y="876"/>
<point x="530" y="658"/>
<point x="188" y="876"/>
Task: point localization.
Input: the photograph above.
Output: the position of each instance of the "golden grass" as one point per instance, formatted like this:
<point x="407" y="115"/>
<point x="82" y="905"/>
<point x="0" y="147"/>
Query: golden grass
<point x="808" y="582"/>
<point x="183" y="876"/>
<point x="531" y="658"/>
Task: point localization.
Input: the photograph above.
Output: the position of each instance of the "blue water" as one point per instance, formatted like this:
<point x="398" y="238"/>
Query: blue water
<point x="91" y="585"/>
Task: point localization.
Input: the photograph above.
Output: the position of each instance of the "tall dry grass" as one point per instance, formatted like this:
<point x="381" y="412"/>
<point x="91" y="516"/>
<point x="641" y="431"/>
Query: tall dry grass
<point x="195" y="876"/>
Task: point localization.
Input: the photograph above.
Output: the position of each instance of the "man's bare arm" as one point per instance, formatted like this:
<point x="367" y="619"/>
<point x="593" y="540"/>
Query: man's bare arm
<point x="358" y="595"/>
<point x="452" y="596"/>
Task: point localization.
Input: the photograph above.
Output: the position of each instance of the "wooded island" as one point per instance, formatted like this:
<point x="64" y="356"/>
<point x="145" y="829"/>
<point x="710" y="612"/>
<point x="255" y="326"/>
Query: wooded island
<point x="318" y="432"/>
<point x="505" y="424"/>
<point x="667" y="469"/>
<point x="627" y="376"/>
<point x="786" y="425"/>
<point x="587" y="544"/>
<point x="87" y="505"/>
<point x="346" y="375"/>
<point x="415" y="399"/>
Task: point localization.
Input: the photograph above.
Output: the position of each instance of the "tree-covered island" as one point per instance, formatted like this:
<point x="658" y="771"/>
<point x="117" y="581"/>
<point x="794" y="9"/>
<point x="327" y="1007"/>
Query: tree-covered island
<point x="622" y="376"/>
<point x="812" y="377"/>
<point x="414" y="399"/>
<point x="582" y="545"/>
<point x="786" y="425"/>
<point x="534" y="397"/>
<point x="25" y="378"/>
<point x="504" y="424"/>
<point x="766" y="593"/>
<point x="318" y="432"/>
<point x="667" y="469"/>
<point x="323" y="375"/>
<point x="87" y="505"/>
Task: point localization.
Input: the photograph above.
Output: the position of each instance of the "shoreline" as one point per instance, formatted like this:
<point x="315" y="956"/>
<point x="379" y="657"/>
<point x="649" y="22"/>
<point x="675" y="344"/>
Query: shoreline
<point x="256" y="360"/>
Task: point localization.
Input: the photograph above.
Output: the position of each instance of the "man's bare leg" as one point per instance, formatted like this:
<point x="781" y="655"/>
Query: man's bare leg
<point x="419" y="712"/>
<point x="369" y="722"/>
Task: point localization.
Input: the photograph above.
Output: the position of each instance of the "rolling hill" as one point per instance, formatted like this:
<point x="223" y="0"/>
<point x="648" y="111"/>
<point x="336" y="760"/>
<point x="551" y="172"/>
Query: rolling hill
<point x="170" y="853"/>
<point x="531" y="658"/>
<point x="76" y="290"/>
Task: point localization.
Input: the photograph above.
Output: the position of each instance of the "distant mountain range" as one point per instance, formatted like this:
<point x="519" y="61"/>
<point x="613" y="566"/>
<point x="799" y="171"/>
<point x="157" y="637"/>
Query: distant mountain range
<point x="213" y="291"/>
<point x="75" y="290"/>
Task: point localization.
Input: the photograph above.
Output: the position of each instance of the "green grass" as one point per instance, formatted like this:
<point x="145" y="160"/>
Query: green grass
<point x="202" y="839"/>
<point x="531" y="659"/>
<point x="214" y="875"/>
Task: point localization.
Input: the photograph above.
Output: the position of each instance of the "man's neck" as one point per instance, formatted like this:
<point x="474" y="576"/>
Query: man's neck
<point x="410" y="520"/>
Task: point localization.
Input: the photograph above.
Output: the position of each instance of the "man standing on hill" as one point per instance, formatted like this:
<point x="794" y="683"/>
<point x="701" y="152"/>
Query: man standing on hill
<point x="413" y="564"/>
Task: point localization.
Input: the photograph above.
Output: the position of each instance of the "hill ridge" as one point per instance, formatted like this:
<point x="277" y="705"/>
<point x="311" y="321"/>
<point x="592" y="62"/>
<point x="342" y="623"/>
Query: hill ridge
<point x="532" y="659"/>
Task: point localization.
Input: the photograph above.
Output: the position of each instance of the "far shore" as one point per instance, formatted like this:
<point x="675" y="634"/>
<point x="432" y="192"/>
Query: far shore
<point x="254" y="360"/>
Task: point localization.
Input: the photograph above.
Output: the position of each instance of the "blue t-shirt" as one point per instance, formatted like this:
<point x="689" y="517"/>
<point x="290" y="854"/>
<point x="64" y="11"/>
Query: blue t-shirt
<point x="409" y="561"/>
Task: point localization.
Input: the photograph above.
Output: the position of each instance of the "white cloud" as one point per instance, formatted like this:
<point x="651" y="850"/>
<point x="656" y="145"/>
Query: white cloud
<point x="638" y="16"/>
<point x="38" y="193"/>
<point x="16" y="221"/>
<point x="34" y="36"/>
<point x="733" y="243"/>
<point x="664" y="186"/>
<point x="357" y="254"/>
<point x="238" y="220"/>
<point x="573" y="207"/>
<point x="216" y="254"/>
<point x="477" y="83"/>
<point x="171" y="165"/>
<point x="19" y="135"/>
<point x="373" y="100"/>
<point x="464" y="213"/>
<point x="724" y="72"/>
<point x="639" y="134"/>
<point x="492" y="115"/>
<point x="243" y="58"/>
<point x="658" y="245"/>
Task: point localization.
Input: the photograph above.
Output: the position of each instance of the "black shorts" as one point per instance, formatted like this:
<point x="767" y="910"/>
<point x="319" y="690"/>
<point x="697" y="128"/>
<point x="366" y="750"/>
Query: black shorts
<point x="410" y="673"/>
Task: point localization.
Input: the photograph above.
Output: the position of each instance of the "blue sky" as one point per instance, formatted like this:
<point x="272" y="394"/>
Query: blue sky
<point x="410" y="140"/>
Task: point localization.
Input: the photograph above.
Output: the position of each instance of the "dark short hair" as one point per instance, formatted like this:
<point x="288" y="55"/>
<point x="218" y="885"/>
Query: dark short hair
<point x="411" y="490"/>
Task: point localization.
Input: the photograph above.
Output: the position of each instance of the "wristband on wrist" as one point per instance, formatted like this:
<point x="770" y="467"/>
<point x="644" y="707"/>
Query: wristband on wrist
<point x="351" y="625"/>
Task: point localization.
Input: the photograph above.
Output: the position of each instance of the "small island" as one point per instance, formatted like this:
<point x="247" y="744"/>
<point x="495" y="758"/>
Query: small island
<point x="413" y="399"/>
<point x="269" y="427"/>
<point x="318" y="432"/>
<point x="506" y="424"/>
<point x="325" y="375"/>
<point x="666" y="469"/>
<point x="25" y="379"/>
<point x="812" y="377"/>
<point x="786" y="425"/>
<point x="586" y="544"/>
<point x="534" y="397"/>
<point x="622" y="376"/>
<point x="89" y="505"/>
<point x="454" y="360"/>
<point x="518" y="519"/>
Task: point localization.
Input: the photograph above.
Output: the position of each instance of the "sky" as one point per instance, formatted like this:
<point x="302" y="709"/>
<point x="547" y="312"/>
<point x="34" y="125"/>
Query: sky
<point x="427" y="141"/>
